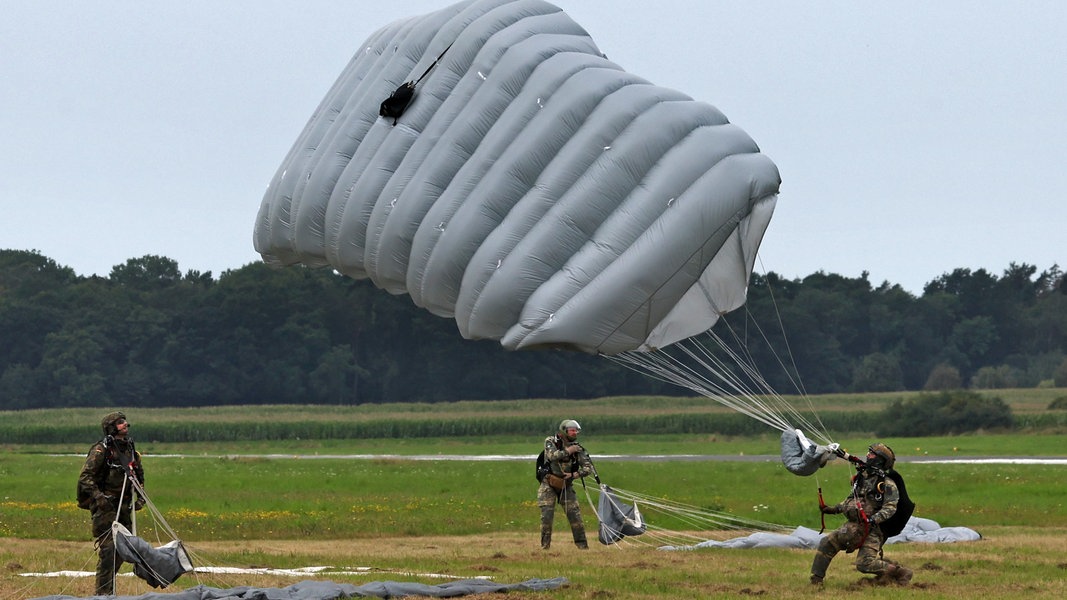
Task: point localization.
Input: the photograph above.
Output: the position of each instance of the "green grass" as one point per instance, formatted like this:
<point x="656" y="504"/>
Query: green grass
<point x="479" y="518"/>
<point x="213" y="498"/>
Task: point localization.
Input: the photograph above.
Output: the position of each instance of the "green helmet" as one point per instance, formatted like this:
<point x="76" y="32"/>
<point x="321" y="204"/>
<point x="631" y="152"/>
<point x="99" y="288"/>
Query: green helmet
<point x="108" y="422"/>
<point x="569" y="424"/>
<point x="885" y="458"/>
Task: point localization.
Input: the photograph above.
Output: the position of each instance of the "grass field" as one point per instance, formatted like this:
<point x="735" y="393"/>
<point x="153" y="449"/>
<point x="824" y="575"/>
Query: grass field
<point x="404" y="519"/>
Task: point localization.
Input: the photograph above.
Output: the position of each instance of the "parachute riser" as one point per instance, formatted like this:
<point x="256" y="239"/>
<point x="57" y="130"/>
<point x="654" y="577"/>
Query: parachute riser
<point x="596" y="476"/>
<point x="822" y="515"/>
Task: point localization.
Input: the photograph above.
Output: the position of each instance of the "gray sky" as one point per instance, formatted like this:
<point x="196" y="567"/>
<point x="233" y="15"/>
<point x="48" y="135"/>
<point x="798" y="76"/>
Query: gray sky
<point x="913" y="138"/>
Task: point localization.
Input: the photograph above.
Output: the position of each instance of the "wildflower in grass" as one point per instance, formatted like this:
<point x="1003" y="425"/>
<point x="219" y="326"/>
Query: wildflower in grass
<point x="186" y="513"/>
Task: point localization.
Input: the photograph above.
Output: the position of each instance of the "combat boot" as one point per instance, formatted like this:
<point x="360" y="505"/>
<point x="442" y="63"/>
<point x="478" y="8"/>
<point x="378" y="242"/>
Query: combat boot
<point x="900" y="575"/>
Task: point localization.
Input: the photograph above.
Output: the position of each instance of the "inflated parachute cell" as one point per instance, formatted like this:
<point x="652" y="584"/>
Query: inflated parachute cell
<point x="529" y="188"/>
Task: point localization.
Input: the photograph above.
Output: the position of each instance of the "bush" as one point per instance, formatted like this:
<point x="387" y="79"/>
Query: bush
<point x="1060" y="377"/>
<point x="992" y="378"/>
<point x="944" y="413"/>
<point x="1058" y="404"/>
<point x="943" y="377"/>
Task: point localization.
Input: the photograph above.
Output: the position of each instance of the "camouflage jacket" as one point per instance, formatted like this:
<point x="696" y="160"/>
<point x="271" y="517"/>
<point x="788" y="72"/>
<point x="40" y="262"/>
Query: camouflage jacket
<point x="875" y="494"/>
<point x="105" y="470"/>
<point x="560" y="462"/>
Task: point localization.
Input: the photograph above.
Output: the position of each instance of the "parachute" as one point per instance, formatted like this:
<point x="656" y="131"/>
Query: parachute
<point x="159" y="567"/>
<point x="489" y="161"/>
<point x="617" y="519"/>
<point x="328" y="590"/>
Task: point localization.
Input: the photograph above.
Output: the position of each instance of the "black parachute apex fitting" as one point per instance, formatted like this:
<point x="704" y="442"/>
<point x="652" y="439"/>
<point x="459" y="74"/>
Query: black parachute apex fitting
<point x="397" y="102"/>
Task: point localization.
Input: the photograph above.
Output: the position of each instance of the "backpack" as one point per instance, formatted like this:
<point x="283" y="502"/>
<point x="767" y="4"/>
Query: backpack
<point x="905" y="507"/>
<point x="542" y="467"/>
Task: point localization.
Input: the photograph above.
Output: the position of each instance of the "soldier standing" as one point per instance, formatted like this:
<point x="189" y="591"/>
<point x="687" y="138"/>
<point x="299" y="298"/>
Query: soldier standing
<point x="566" y="461"/>
<point x="102" y="483"/>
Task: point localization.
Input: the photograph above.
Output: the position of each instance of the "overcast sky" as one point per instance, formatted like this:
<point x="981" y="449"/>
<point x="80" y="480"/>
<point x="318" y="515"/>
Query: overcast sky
<point x="913" y="138"/>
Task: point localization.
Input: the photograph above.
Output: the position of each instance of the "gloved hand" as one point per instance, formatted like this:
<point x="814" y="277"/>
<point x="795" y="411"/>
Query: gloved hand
<point x="138" y="504"/>
<point x="572" y="449"/>
<point x="102" y="501"/>
<point x="830" y="510"/>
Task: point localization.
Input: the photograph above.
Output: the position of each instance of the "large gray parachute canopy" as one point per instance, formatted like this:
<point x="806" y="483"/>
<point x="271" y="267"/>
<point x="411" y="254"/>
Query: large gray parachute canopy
<point x="523" y="184"/>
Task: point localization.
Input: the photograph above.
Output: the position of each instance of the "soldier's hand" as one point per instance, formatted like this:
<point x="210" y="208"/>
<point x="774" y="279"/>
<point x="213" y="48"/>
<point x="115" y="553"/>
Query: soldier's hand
<point x="574" y="448"/>
<point x="828" y="510"/>
<point x="102" y="501"/>
<point x="138" y="504"/>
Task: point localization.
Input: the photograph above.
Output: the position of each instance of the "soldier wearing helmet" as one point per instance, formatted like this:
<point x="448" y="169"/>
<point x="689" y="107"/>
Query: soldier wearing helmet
<point x="104" y="480"/>
<point x="873" y="500"/>
<point x="566" y="461"/>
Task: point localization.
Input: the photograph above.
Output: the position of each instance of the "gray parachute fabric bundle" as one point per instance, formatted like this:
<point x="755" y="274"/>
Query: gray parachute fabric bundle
<point x="530" y="189"/>
<point x="802" y="456"/>
<point x="159" y="567"/>
<point x="617" y="519"/>
<point x="328" y="590"/>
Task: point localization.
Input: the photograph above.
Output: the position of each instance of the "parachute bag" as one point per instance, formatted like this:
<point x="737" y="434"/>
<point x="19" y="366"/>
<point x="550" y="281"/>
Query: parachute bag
<point x="905" y="507"/>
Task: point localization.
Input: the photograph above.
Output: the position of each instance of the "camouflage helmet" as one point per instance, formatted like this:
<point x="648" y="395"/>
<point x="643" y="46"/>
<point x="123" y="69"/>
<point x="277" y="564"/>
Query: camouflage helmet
<point x="885" y="453"/>
<point x="568" y="424"/>
<point x="108" y="422"/>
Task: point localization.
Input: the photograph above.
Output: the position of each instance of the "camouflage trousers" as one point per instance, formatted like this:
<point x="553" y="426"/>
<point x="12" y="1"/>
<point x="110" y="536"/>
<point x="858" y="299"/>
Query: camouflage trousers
<point x="547" y="499"/>
<point x="849" y="537"/>
<point x="109" y="562"/>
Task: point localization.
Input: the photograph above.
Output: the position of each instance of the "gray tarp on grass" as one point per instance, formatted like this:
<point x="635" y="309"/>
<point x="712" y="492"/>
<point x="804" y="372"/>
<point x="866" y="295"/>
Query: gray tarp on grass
<point x="328" y="590"/>
<point x="917" y="530"/>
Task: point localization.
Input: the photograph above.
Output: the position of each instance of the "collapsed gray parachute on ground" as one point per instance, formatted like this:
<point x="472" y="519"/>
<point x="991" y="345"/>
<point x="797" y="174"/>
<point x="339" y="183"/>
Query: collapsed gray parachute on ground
<point x="488" y="160"/>
<point x="916" y="530"/>
<point x="328" y="590"/>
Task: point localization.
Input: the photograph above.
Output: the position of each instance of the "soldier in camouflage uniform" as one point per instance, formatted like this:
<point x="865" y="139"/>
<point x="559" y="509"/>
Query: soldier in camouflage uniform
<point x="566" y="461"/>
<point x="873" y="499"/>
<point x="102" y="481"/>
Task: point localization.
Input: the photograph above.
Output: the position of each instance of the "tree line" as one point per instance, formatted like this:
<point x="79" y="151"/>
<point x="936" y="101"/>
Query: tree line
<point x="148" y="335"/>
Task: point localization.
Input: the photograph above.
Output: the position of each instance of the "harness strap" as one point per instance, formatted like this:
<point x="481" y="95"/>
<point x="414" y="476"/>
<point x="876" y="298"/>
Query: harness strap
<point x="822" y="515"/>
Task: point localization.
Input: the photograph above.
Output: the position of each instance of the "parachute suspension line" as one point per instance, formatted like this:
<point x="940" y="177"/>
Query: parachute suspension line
<point x="798" y="382"/>
<point x="775" y="400"/>
<point x="753" y="392"/>
<point x="157" y="516"/>
<point x="736" y="384"/>
<point x="667" y="367"/>
<point x="692" y="522"/>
